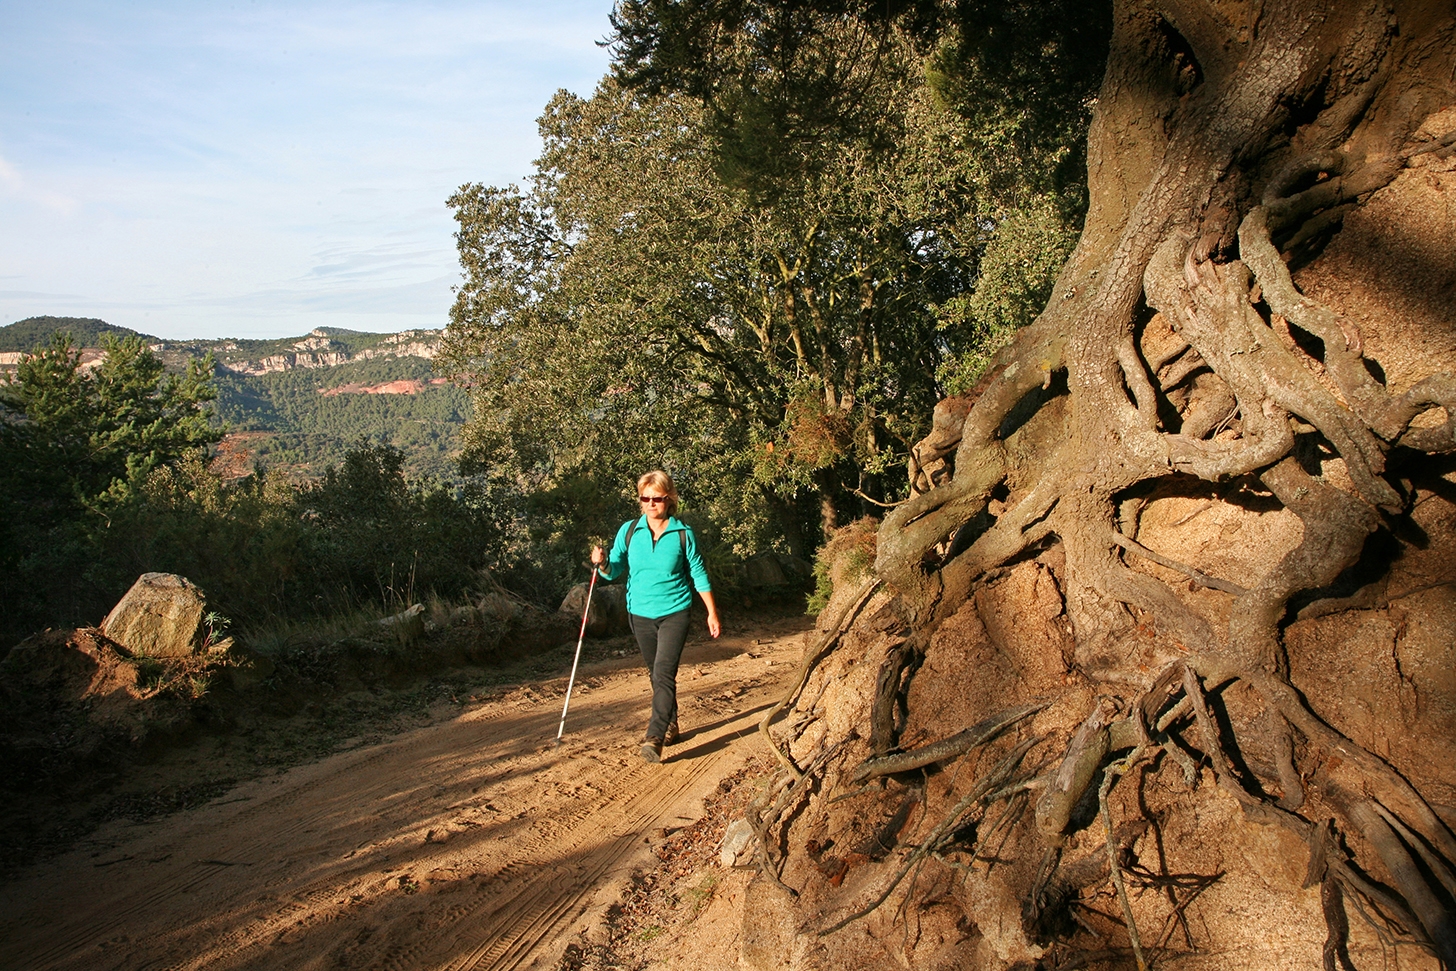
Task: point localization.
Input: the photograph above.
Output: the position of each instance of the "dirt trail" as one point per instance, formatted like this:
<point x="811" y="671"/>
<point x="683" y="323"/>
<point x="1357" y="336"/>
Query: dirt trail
<point x="474" y="843"/>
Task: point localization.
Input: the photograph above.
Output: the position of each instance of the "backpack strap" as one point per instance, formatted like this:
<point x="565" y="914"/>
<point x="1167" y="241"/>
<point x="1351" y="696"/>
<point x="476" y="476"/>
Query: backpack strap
<point x="682" y="536"/>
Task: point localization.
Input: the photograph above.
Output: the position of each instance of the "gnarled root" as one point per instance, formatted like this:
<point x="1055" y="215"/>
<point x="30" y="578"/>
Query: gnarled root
<point x="1415" y="849"/>
<point x="1193" y="354"/>
<point x="987" y="788"/>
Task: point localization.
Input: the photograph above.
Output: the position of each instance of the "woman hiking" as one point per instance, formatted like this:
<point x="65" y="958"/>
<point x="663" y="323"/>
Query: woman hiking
<point x="659" y="554"/>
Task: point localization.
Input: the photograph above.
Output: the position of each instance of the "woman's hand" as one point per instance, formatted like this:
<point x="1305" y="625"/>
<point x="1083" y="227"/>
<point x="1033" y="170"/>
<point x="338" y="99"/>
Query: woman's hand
<point x="715" y="626"/>
<point x="598" y="556"/>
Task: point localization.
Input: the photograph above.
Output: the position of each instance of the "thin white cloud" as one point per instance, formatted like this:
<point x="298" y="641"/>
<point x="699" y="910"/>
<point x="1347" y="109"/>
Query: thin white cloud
<point x="399" y="300"/>
<point x="15" y="186"/>
<point x="37" y="295"/>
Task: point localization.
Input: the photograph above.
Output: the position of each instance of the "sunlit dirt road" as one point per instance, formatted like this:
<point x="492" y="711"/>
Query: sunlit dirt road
<point x="474" y="843"/>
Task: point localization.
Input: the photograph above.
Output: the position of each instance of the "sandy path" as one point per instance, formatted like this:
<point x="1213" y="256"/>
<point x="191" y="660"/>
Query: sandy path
<point x="473" y="843"/>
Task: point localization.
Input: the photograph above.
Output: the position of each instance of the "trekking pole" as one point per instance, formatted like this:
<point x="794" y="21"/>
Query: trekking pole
<point x="574" y="661"/>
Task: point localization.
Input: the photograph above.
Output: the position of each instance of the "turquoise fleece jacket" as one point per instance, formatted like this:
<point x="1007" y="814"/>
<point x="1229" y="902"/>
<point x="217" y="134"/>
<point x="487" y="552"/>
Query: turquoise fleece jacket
<point x="657" y="570"/>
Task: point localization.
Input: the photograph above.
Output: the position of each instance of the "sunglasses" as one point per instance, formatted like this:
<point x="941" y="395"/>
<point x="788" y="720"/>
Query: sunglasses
<point x="652" y="499"/>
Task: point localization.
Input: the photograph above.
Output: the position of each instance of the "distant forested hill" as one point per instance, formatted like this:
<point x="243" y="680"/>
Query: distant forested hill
<point x="296" y="404"/>
<point x="32" y="332"/>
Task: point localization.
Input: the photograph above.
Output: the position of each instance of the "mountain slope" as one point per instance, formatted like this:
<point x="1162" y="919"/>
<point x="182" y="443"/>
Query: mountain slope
<point x="296" y="404"/>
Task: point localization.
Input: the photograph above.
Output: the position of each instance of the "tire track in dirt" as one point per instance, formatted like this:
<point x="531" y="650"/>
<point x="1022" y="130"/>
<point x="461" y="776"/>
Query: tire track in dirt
<point x="472" y="844"/>
<point x="530" y="918"/>
<point x="528" y="894"/>
<point x="183" y="881"/>
<point x="402" y="836"/>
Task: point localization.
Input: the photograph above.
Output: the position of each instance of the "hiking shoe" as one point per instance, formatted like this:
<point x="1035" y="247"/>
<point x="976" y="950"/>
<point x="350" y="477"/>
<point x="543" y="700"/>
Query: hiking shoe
<point x="672" y="734"/>
<point x="651" y="750"/>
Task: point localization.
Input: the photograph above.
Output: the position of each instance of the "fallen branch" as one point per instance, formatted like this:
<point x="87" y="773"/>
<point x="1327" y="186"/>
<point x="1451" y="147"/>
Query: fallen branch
<point x="1085" y="752"/>
<point x="873" y="501"/>
<point x="946" y="749"/>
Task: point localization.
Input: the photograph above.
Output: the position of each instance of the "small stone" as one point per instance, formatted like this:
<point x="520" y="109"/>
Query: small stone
<point x="735" y="842"/>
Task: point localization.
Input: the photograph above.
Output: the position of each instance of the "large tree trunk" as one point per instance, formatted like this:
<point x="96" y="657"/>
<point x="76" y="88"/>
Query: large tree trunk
<point x="1203" y="512"/>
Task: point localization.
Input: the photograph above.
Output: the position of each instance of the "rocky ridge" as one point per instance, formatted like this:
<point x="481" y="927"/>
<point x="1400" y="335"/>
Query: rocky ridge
<point x="321" y="349"/>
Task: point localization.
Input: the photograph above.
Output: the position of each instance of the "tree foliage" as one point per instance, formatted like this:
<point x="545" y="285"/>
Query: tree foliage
<point x="75" y="445"/>
<point x="657" y="295"/>
<point x="781" y="79"/>
<point x="85" y="437"/>
<point x="104" y="476"/>
<point x="299" y="428"/>
<point x="33" y="332"/>
<point x="371" y="534"/>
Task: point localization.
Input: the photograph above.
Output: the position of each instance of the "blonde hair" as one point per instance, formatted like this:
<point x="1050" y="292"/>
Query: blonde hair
<point x="662" y="481"/>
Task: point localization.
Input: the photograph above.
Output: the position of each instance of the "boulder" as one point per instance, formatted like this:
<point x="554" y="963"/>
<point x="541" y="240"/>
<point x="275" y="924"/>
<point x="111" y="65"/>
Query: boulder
<point x="768" y="570"/>
<point x="764" y="570"/>
<point x="160" y="616"/>
<point x="466" y="615"/>
<point x="499" y="608"/>
<point x="608" y="614"/>
<point x="408" y="626"/>
<point x="799" y="570"/>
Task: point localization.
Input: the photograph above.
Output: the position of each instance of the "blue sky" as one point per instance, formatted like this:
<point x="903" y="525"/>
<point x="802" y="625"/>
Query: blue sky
<point x="258" y="169"/>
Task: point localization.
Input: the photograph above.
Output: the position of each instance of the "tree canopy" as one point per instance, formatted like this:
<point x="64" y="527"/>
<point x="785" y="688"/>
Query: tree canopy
<point x="774" y="335"/>
<point x="32" y="332"/>
<point x="75" y="445"/>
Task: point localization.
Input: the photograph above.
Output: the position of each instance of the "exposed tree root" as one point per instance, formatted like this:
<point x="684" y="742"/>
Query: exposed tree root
<point x="952" y="821"/>
<point x="766" y="845"/>
<point x="1190" y="353"/>
<point x="826" y="644"/>
<point x="1198" y="577"/>
<point x="950" y="748"/>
